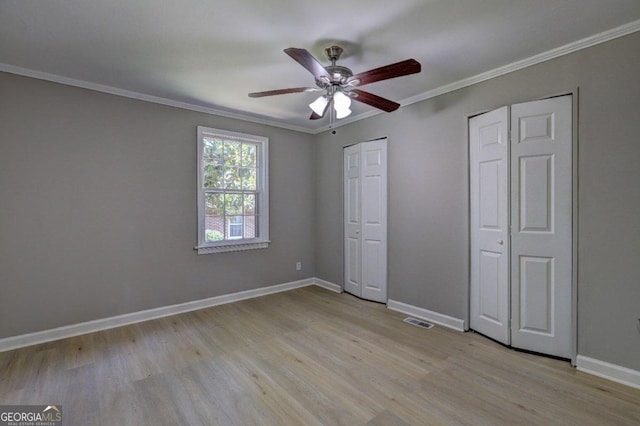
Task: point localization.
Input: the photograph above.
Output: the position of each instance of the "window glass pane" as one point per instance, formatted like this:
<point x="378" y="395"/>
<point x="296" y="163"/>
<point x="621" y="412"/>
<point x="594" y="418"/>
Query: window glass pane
<point x="214" y="204"/>
<point x="250" y="227"/>
<point x="207" y="149"/>
<point x="249" y="155"/>
<point x="213" y="176"/>
<point x="248" y="176"/>
<point x="234" y="227"/>
<point x="212" y="151"/>
<point x="232" y="153"/>
<point x="250" y="204"/>
<point x="233" y="204"/>
<point x="214" y="228"/>
<point x="232" y="178"/>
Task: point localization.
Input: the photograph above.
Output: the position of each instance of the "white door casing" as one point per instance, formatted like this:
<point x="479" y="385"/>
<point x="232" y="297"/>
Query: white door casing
<point x="541" y="226"/>
<point x="365" y="200"/>
<point x="489" y="150"/>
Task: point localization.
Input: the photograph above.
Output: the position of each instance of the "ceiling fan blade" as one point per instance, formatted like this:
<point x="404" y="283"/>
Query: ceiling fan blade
<point x="306" y="59"/>
<point x="284" y="91"/>
<point x="374" y="100"/>
<point x="315" y="116"/>
<point x="399" y="69"/>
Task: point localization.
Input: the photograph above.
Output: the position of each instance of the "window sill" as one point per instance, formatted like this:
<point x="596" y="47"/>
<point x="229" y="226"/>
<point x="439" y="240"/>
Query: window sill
<point x="232" y="247"/>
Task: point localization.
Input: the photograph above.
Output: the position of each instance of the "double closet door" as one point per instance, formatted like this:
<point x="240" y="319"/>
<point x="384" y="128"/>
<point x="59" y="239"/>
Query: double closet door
<point x="365" y="220"/>
<point x="521" y="225"/>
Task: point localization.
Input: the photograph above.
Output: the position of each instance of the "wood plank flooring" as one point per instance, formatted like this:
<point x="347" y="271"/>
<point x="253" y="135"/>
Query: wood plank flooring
<point x="306" y="357"/>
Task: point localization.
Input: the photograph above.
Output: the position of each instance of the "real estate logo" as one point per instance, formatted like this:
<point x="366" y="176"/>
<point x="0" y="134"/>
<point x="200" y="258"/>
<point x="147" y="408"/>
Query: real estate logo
<point x="30" y="415"/>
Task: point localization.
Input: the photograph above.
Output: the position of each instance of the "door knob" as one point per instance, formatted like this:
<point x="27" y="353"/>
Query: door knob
<point x="357" y="232"/>
<point x="501" y="242"/>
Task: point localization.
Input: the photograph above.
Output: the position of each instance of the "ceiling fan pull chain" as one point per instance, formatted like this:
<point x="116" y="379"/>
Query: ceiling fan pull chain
<point x="331" y="115"/>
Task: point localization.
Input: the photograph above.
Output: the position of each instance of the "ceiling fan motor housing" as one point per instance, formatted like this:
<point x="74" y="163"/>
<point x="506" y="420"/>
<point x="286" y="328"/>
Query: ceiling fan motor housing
<point x="339" y="74"/>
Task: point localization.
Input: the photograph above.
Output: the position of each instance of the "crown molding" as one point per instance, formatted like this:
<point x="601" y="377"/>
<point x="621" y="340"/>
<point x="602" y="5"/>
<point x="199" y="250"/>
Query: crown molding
<point x="527" y="62"/>
<point x="575" y="46"/>
<point x="40" y="75"/>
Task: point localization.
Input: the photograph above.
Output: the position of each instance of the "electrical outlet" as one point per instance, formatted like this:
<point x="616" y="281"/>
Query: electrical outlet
<point x="298" y="266"/>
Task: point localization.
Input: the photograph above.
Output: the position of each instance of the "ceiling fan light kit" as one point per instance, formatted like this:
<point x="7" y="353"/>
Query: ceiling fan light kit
<point x="339" y="83"/>
<point x="318" y="106"/>
<point x="341" y="104"/>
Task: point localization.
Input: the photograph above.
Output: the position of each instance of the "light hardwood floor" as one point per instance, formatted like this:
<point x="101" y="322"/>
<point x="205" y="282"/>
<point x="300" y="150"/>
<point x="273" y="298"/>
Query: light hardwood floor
<point x="307" y="356"/>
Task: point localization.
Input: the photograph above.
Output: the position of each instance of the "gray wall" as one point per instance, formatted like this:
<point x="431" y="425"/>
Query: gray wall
<point x="428" y="192"/>
<point x="98" y="207"/>
<point x="98" y="198"/>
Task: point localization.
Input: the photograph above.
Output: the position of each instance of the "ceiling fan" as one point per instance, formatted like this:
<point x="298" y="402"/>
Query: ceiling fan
<point x="339" y="84"/>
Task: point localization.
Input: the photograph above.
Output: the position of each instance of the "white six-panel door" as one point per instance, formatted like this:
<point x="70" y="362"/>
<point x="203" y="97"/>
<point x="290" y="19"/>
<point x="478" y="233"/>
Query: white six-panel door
<point x="352" y="227"/>
<point x="541" y="216"/>
<point x="521" y="225"/>
<point x="489" y="150"/>
<point x="365" y="211"/>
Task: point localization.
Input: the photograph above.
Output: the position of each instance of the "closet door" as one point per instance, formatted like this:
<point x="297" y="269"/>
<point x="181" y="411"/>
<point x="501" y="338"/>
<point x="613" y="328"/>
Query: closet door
<point x="521" y="225"/>
<point x="541" y="221"/>
<point x="365" y="220"/>
<point x="352" y="252"/>
<point x="489" y="150"/>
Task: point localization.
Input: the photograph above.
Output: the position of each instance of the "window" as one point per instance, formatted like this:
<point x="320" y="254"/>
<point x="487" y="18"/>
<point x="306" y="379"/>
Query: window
<point x="232" y="191"/>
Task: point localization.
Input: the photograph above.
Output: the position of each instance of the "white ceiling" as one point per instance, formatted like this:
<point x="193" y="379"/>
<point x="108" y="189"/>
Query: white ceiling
<point x="210" y="54"/>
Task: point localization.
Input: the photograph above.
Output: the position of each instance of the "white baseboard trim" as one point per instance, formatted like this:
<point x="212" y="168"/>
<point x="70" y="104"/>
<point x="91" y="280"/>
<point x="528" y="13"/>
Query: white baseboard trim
<point x="609" y="371"/>
<point x="441" y="319"/>
<point x="328" y="285"/>
<point x="15" y="342"/>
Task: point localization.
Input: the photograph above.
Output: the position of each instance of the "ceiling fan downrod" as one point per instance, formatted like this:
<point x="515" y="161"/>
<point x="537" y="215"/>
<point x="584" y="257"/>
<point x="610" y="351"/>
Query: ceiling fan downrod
<point x="333" y="53"/>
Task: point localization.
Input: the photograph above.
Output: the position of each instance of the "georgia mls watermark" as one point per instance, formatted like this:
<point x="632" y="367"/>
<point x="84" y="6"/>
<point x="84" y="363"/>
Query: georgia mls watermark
<point x="30" y="415"/>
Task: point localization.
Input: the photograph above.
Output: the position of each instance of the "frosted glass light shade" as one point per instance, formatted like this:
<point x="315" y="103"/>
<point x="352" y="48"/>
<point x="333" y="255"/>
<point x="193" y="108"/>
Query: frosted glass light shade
<point x="341" y="104"/>
<point x="342" y="112"/>
<point x="319" y="105"/>
<point x="341" y="101"/>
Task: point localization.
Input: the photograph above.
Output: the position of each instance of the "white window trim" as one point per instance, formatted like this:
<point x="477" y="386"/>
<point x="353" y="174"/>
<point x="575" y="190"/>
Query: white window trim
<point x="262" y="241"/>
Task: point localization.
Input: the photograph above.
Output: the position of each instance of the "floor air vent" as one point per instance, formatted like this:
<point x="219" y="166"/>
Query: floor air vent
<point x="417" y="322"/>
